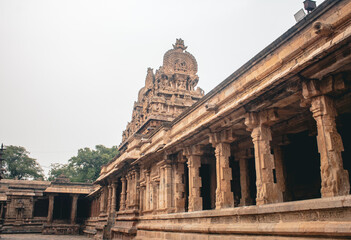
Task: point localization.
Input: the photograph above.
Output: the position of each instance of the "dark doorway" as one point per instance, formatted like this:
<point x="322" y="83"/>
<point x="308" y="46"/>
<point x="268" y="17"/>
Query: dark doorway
<point x="62" y="207"/>
<point x="83" y="207"/>
<point x="205" y="174"/>
<point x="41" y="208"/>
<point x="303" y="180"/>
<point x="186" y="187"/>
<point x="344" y="129"/>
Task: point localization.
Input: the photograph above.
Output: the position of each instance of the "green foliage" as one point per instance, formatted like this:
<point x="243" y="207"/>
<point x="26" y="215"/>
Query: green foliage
<point x="86" y="166"/>
<point x="19" y="165"/>
<point x="57" y="169"/>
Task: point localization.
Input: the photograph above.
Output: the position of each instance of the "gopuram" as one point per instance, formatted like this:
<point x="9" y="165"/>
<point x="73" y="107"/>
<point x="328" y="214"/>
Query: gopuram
<point x="265" y="155"/>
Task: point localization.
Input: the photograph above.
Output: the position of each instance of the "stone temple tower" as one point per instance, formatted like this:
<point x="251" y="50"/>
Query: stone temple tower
<point x="167" y="92"/>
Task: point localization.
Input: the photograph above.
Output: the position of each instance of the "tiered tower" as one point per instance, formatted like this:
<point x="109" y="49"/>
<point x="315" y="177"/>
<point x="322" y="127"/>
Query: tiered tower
<point x="167" y="93"/>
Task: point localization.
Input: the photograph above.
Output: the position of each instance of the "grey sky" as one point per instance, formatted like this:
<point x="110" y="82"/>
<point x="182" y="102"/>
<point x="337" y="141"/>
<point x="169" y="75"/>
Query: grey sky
<point x="70" y="70"/>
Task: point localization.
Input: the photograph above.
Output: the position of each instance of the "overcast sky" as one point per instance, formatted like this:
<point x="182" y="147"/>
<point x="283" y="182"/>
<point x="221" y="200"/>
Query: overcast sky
<point x="70" y="70"/>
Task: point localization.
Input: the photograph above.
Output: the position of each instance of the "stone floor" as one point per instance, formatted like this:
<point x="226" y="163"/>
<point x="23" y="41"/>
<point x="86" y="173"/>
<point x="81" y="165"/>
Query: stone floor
<point x="40" y="237"/>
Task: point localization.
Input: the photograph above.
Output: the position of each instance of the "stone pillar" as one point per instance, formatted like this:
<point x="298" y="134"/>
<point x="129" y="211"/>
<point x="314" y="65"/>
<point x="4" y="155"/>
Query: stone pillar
<point x="147" y="189"/>
<point x="136" y="189"/>
<point x="51" y="208"/>
<point x="244" y="182"/>
<point x="102" y="201"/>
<point x="155" y="194"/>
<point x="168" y="186"/>
<point x="142" y="199"/>
<point x="267" y="190"/>
<point x="123" y="194"/>
<point x="194" y="163"/>
<point x="280" y="169"/>
<point x="132" y="189"/>
<point x="32" y="207"/>
<point x="129" y="191"/>
<point x="179" y="187"/>
<point x="161" y="188"/>
<point x="74" y="209"/>
<point x="109" y="198"/>
<point x="335" y="179"/>
<point x="113" y="200"/>
<point x="1" y="210"/>
<point x="224" y="195"/>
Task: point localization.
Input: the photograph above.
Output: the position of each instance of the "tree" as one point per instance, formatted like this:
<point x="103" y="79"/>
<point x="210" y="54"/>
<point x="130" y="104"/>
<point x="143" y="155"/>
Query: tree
<point x="19" y="165"/>
<point x="86" y="166"/>
<point x="57" y="169"/>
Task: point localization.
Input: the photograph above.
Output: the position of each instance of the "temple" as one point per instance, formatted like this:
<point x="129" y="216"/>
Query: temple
<point x="265" y="155"/>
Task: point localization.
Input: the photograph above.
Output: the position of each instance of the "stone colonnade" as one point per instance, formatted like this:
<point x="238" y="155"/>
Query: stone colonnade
<point x="164" y="190"/>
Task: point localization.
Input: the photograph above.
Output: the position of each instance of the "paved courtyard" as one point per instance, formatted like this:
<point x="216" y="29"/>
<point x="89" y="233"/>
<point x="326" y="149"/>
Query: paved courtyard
<point x="40" y="236"/>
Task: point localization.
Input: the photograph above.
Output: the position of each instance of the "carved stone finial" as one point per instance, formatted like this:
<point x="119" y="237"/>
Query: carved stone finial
<point x="179" y="44"/>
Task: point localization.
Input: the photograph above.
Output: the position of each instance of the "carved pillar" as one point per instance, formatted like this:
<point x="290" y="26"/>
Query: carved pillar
<point x="267" y="190"/>
<point x="179" y="188"/>
<point x="280" y="169"/>
<point x="335" y="180"/>
<point x="142" y="199"/>
<point x="102" y="201"/>
<point x="244" y="182"/>
<point x="147" y="194"/>
<point x="74" y="209"/>
<point x="136" y="189"/>
<point x="155" y="194"/>
<point x="113" y="200"/>
<point x="224" y="195"/>
<point x="194" y="163"/>
<point x="161" y="188"/>
<point x="109" y="198"/>
<point x="51" y="208"/>
<point x="132" y="189"/>
<point x="128" y="191"/>
<point x="123" y="194"/>
<point x="168" y="186"/>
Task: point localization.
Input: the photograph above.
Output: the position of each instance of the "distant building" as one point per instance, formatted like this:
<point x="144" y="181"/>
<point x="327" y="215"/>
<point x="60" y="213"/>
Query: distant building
<point x="58" y="207"/>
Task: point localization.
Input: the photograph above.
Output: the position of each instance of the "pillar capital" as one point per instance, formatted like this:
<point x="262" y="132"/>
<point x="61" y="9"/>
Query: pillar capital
<point x="332" y="83"/>
<point x="195" y="150"/>
<point x="266" y="117"/>
<point x="225" y="136"/>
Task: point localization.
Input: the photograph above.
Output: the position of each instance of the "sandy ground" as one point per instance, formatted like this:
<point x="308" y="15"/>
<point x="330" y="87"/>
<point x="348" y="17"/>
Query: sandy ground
<point x="41" y="237"/>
